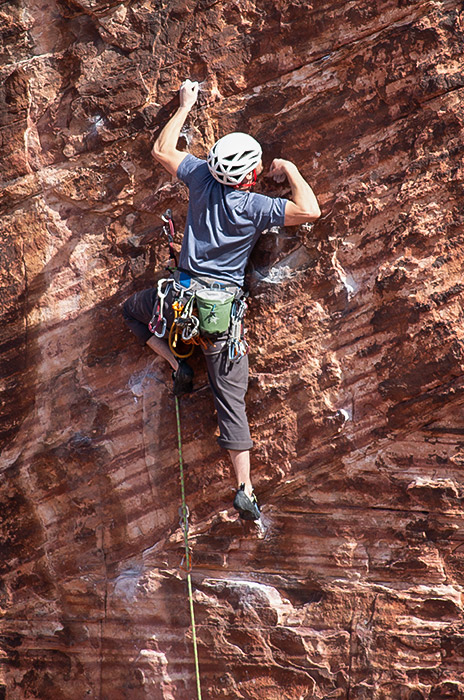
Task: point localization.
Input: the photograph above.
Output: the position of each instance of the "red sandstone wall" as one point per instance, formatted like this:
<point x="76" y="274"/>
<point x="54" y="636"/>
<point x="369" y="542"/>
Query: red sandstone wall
<point x="353" y="589"/>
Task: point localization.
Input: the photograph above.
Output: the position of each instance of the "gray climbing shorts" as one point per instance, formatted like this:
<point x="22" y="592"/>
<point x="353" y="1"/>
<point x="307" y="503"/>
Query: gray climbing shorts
<point x="228" y="380"/>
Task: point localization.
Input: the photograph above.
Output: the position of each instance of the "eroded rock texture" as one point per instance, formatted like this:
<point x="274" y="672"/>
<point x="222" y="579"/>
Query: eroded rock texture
<point x="353" y="588"/>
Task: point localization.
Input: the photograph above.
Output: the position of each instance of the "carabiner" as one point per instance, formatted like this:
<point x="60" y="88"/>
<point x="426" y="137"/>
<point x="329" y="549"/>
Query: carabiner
<point x="189" y="564"/>
<point x="190" y="330"/>
<point x="160" y="334"/>
<point x="184" y="516"/>
<point x="232" y="351"/>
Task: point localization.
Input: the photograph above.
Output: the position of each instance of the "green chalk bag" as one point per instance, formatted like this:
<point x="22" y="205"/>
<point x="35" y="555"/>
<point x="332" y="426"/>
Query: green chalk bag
<point x="214" y="307"/>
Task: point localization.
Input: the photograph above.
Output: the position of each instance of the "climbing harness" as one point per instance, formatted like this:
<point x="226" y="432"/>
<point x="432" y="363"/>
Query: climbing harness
<point x="186" y="563"/>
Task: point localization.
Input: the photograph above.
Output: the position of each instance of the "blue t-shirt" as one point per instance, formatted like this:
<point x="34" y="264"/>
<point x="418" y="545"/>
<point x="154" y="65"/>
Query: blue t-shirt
<point x="223" y="224"/>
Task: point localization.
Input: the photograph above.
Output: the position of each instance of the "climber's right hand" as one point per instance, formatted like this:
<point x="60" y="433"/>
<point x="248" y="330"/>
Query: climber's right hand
<point x="188" y="93"/>
<point x="278" y="169"/>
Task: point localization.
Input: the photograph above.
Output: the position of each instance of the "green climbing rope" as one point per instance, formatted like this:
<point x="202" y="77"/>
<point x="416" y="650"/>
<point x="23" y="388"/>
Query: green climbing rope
<point x="184" y="513"/>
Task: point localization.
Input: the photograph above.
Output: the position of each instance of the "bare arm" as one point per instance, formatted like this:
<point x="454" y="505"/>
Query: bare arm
<point x="303" y="206"/>
<point x="165" y="148"/>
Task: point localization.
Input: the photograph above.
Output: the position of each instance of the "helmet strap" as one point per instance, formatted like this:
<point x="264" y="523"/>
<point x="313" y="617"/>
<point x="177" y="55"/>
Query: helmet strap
<point x="246" y="185"/>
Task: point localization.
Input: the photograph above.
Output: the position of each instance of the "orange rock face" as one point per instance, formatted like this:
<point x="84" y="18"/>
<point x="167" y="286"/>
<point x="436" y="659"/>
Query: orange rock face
<point x="352" y="588"/>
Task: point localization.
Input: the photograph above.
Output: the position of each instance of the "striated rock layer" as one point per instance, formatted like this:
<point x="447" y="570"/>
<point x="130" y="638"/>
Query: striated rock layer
<point x="352" y="589"/>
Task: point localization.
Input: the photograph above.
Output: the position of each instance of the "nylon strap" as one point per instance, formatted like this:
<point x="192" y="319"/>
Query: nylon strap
<point x="184" y="511"/>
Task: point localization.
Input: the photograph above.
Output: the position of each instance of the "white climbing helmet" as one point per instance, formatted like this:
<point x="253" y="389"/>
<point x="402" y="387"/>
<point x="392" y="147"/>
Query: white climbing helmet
<point x="234" y="156"/>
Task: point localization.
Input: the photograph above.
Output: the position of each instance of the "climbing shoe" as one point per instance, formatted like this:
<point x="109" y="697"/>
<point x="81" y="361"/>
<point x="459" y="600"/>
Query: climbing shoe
<point x="183" y="379"/>
<point x="247" y="507"/>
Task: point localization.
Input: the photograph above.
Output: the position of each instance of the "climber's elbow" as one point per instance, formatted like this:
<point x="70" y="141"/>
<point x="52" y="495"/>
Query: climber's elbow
<point x="296" y="215"/>
<point x="170" y="159"/>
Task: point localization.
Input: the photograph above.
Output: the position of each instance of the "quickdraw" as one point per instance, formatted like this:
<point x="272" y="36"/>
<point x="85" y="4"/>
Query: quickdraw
<point x="186" y="563"/>
<point x="158" y="316"/>
<point x="169" y="231"/>
<point x="237" y="345"/>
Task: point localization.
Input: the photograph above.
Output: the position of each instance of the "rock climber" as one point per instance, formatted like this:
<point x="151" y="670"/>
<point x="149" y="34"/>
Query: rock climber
<point x="224" y="221"/>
